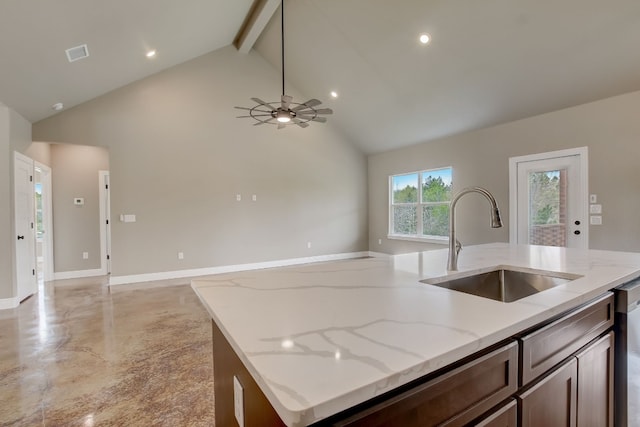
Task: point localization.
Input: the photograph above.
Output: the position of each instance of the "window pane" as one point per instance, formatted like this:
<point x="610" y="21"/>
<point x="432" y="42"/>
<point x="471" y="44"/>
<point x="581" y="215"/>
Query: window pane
<point x="435" y="220"/>
<point x="405" y="219"/>
<point x="547" y="208"/>
<point x="436" y="185"/>
<point x="405" y="188"/>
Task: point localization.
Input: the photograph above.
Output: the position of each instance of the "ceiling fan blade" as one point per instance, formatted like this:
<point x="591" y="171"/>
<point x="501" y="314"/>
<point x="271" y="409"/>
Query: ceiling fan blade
<point x="324" y="111"/>
<point x="261" y="102"/>
<point x="254" y="109"/>
<point x="299" y="123"/>
<point x="255" y="115"/>
<point x="263" y="122"/>
<point x="308" y="104"/>
<point x="313" y="119"/>
<point x="286" y="100"/>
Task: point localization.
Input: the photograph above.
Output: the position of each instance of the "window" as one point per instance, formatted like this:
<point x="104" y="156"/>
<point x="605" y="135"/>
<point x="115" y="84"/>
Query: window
<point x="419" y="204"/>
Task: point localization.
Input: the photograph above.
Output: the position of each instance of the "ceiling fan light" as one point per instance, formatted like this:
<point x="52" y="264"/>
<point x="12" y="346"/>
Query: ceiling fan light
<point x="283" y="117"/>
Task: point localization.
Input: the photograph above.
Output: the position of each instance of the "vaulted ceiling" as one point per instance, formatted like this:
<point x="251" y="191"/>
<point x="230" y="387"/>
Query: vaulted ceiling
<point x="489" y="62"/>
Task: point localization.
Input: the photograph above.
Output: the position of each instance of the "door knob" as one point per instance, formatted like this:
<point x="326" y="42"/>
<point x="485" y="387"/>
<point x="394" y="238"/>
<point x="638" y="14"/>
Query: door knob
<point x="20" y="237"/>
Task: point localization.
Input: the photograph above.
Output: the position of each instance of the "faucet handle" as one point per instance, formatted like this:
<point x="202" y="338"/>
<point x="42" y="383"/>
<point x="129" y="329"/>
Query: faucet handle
<point x="458" y="246"/>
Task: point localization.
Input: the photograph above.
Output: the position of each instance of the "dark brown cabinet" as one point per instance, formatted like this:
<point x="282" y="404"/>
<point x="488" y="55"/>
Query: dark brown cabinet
<point x="553" y="400"/>
<point x="452" y="399"/>
<point x="595" y="383"/>
<point x="505" y="416"/>
<point x="545" y="347"/>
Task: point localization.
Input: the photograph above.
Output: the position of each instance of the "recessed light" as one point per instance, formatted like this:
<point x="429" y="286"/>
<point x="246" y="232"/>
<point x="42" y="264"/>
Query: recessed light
<point x="151" y="54"/>
<point x="58" y="106"/>
<point x="425" y="38"/>
<point x="334" y="94"/>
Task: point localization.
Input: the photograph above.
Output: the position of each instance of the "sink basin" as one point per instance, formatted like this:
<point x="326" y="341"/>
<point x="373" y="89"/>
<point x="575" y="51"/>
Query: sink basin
<point x="503" y="284"/>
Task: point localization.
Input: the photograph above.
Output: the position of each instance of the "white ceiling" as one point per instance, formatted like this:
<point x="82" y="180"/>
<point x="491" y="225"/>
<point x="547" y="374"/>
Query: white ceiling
<point x="34" y="34"/>
<point x="490" y="61"/>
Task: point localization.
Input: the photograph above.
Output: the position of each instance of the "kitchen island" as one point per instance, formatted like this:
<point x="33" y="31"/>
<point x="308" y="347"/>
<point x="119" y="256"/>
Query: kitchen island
<point x="318" y="339"/>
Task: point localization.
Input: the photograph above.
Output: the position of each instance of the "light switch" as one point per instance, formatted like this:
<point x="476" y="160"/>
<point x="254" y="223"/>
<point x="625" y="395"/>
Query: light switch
<point x="595" y="209"/>
<point x="78" y="201"/>
<point x="127" y="218"/>
<point x="595" y="220"/>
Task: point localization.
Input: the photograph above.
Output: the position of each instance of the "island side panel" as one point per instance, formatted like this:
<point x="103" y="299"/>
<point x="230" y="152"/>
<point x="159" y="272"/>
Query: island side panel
<point x="226" y="364"/>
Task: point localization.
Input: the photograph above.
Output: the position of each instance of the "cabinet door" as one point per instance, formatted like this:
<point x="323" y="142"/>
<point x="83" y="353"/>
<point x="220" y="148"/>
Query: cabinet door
<point x="551" y="401"/>
<point x="505" y="416"/>
<point x="595" y="383"/>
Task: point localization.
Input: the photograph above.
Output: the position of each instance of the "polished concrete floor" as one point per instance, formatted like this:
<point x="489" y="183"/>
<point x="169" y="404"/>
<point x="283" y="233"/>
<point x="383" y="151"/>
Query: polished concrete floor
<point x="78" y="354"/>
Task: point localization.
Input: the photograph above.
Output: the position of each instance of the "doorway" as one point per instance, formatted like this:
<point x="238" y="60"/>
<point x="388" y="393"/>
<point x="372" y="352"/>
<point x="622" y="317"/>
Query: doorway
<point x="43" y="222"/>
<point x="549" y="199"/>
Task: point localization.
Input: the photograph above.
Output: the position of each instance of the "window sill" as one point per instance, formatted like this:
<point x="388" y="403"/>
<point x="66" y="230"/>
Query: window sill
<point x="430" y="239"/>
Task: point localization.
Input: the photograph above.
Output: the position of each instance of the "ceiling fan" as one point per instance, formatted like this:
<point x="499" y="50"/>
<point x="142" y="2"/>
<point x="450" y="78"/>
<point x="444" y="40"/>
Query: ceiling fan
<point x="285" y="112"/>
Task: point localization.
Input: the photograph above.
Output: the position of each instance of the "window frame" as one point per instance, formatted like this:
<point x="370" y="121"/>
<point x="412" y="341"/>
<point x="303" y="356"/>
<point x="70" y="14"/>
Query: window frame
<point x="418" y="237"/>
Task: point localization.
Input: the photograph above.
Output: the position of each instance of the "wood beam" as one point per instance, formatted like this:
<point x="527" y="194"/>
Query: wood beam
<point x="257" y="19"/>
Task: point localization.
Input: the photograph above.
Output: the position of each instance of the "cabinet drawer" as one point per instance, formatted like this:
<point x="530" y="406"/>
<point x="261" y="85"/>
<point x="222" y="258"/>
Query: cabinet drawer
<point x="553" y="343"/>
<point x="452" y="399"/>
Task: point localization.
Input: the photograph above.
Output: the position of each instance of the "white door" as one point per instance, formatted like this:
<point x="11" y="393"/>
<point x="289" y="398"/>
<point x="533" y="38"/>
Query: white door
<point x="105" y="221"/>
<point x="24" y="226"/>
<point x="549" y="200"/>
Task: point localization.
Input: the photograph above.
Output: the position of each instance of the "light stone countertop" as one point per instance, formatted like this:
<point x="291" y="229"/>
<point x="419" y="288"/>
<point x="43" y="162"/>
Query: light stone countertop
<point x="321" y="338"/>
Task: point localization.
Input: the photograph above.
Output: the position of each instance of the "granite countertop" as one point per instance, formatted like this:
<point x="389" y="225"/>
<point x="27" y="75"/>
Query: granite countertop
<point x="321" y="338"/>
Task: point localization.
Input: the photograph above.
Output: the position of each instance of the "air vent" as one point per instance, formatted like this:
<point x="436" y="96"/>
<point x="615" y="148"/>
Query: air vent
<point x="78" y="52"/>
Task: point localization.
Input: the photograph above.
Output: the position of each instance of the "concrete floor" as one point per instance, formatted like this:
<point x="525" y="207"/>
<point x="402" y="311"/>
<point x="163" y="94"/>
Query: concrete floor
<point x="80" y="354"/>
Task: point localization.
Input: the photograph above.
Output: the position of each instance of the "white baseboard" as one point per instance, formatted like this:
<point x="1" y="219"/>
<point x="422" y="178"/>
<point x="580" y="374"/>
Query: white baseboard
<point x="378" y="254"/>
<point x="63" y="275"/>
<point x="7" y="303"/>
<point x="180" y="274"/>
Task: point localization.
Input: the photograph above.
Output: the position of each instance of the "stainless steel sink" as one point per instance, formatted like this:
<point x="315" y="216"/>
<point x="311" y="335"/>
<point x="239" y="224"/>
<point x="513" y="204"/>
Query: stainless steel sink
<point x="503" y="284"/>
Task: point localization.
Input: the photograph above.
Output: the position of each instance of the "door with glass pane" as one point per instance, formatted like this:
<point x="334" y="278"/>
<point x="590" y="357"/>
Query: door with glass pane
<point x="550" y="199"/>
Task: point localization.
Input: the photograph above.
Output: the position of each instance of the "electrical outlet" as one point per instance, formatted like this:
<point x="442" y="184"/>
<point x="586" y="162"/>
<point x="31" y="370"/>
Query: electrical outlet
<point x="379" y="241"/>
<point x="308" y="245"/>
<point x="254" y="197"/>
<point x="238" y="401"/>
<point x="180" y="255"/>
<point x="239" y="197"/>
<point x="85" y="255"/>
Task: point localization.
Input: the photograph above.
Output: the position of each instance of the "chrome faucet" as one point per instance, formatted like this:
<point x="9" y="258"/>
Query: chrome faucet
<point x="454" y="244"/>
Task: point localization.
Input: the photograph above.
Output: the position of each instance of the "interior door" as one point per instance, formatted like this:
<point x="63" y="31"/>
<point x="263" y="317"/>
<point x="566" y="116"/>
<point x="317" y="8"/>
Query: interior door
<point x="549" y="192"/>
<point x="24" y="226"/>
